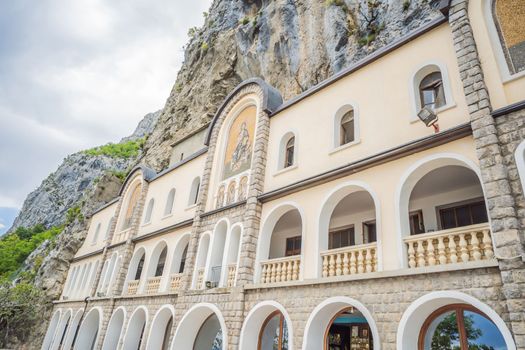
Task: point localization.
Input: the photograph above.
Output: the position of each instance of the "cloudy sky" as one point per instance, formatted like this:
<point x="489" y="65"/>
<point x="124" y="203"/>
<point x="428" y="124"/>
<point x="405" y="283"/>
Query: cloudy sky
<point x="76" y="74"/>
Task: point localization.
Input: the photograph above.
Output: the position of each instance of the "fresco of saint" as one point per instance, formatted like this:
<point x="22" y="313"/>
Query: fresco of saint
<point x="240" y="143"/>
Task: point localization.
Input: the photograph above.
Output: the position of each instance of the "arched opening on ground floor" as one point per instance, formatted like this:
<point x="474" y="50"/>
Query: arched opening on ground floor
<point x="135" y="331"/>
<point x="51" y="330"/>
<point x="340" y="323"/>
<point x="215" y="268"/>
<point x="267" y="327"/>
<point x="89" y="330"/>
<point x="73" y="329"/>
<point x="160" y="330"/>
<point x="455" y="320"/>
<point x="201" y="328"/>
<point x="62" y="328"/>
<point x="114" y="330"/>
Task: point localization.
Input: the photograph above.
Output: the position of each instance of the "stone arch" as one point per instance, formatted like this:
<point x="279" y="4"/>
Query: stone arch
<point x="253" y="322"/>
<point x="330" y="203"/>
<point x="135" y="330"/>
<point x="155" y="257"/>
<point x="267" y="229"/>
<point x="158" y="330"/>
<point x="323" y="314"/>
<point x="178" y="255"/>
<point x="214" y="266"/>
<point x="114" y="330"/>
<point x="187" y="330"/>
<point x="73" y="328"/>
<point x="51" y="330"/>
<point x="89" y="331"/>
<point x="231" y="252"/>
<point x="410" y="179"/>
<point x="62" y="329"/>
<point x="201" y="258"/>
<point x="416" y="314"/>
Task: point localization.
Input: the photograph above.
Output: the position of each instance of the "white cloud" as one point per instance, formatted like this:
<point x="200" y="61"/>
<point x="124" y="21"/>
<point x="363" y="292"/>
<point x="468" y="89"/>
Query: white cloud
<point x="76" y="74"/>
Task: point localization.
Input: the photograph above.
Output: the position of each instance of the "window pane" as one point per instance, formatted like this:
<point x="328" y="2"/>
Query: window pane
<point x="463" y="215"/>
<point x="270" y="334"/>
<point x="482" y="333"/>
<point x="443" y="333"/>
<point x="479" y="213"/>
<point x="448" y="219"/>
<point x="284" y="340"/>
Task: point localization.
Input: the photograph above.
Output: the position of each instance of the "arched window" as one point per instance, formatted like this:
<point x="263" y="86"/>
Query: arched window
<point x="289" y="152"/>
<point x="209" y="335"/>
<point x="243" y="188"/>
<point x="274" y="333"/>
<point x="431" y="91"/>
<point x="169" y="202"/>
<point x="346" y="128"/>
<point x="194" y="192"/>
<point x="95" y="236"/>
<point x="183" y="259"/>
<point x="140" y="267"/>
<point x="509" y="19"/>
<point x="162" y="261"/>
<point x="149" y="211"/>
<point x="132" y="204"/>
<point x="462" y="327"/>
<point x="220" y="197"/>
<point x="231" y="193"/>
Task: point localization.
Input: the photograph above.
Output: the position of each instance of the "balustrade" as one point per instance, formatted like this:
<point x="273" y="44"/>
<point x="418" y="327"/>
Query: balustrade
<point x="133" y="287"/>
<point x="153" y="284"/>
<point x="175" y="282"/>
<point x="232" y="269"/>
<point x="200" y="278"/>
<point x="280" y="270"/>
<point x="458" y="245"/>
<point x="350" y="260"/>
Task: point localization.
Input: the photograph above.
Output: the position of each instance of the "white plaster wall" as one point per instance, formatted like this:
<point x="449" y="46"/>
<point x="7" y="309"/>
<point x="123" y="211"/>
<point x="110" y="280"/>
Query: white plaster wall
<point x="103" y="217"/>
<point x="188" y="146"/>
<point x="384" y="116"/>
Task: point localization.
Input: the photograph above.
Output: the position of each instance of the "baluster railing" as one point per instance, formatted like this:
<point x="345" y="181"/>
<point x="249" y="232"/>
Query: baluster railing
<point x="350" y="260"/>
<point x="133" y="287"/>
<point x="200" y="278"/>
<point x="280" y="270"/>
<point x="153" y="284"/>
<point x="458" y="245"/>
<point x="175" y="282"/>
<point x="232" y="269"/>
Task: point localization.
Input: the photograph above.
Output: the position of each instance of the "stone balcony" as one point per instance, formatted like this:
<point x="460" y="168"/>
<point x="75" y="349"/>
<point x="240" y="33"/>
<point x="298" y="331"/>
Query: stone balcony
<point x="281" y="270"/>
<point x="153" y="284"/>
<point x="458" y="245"/>
<point x="133" y="287"/>
<point x="175" y="282"/>
<point x="350" y="260"/>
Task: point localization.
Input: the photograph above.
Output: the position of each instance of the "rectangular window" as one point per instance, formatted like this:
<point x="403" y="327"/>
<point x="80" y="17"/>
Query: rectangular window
<point x="341" y="237"/>
<point x="369" y="232"/>
<point x="293" y="246"/>
<point x="462" y="214"/>
<point x="417" y="225"/>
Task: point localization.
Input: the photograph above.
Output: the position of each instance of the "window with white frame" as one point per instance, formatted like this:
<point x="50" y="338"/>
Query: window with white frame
<point x="149" y="211"/>
<point x="287" y="151"/>
<point x="169" y="202"/>
<point x="431" y="89"/>
<point x="194" y="192"/>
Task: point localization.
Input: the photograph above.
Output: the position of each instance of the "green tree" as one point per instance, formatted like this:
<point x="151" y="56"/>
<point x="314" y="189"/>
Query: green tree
<point x="19" y="310"/>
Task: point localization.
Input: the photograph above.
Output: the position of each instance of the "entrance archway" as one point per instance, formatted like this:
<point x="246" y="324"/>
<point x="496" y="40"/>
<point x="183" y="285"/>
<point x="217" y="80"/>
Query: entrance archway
<point x="336" y="316"/>
<point x="51" y="330"/>
<point x="89" y="330"/>
<point x="160" y="330"/>
<point x="211" y="335"/>
<point x="62" y="329"/>
<point x="114" y="329"/>
<point x="135" y="331"/>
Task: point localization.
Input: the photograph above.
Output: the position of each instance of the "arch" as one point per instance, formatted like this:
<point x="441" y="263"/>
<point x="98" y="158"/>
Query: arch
<point x="89" y="330"/>
<point x="243" y="188"/>
<point x="179" y="255"/>
<point x="114" y="330"/>
<point x="85" y="280"/>
<point x="519" y="155"/>
<point x="418" y="75"/>
<point x="91" y="282"/>
<point x="72" y="329"/>
<point x="334" y="197"/>
<point x="158" y="330"/>
<point x="169" y="202"/>
<point x="265" y="235"/>
<point x="288" y="151"/>
<point x="187" y="332"/>
<point x="131" y="200"/>
<point x="51" y="330"/>
<point x="320" y="319"/>
<point x="231" y="253"/>
<point x="134" y="335"/>
<point x="62" y="330"/>
<point x="149" y="211"/>
<point x="110" y="273"/>
<point x="194" y="191"/>
<point x="271" y="100"/>
<point x="337" y="128"/>
<point x="410" y="179"/>
<point x="157" y="260"/>
<point x="416" y="314"/>
<point x="230" y="195"/>
<point x="78" y="282"/>
<point x="95" y="236"/>
<point x="220" y="196"/>
<point x="70" y="282"/>
<point x="254" y="321"/>
<point x="136" y="265"/>
<point x="214" y="268"/>
<point x="202" y="256"/>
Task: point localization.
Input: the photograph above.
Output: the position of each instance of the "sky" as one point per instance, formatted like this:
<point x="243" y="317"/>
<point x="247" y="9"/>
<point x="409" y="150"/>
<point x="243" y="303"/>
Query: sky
<point x="77" y="74"/>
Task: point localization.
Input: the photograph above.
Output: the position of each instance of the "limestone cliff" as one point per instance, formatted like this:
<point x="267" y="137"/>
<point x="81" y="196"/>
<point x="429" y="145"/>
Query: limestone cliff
<point x="292" y="44"/>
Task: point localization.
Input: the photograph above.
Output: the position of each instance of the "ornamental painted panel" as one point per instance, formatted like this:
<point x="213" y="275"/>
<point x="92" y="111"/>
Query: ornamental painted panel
<point x="510" y="21"/>
<point x="238" y="155"/>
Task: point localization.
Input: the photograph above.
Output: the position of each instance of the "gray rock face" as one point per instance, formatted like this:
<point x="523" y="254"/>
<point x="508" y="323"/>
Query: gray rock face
<point x="292" y="44"/>
<point x="78" y="173"/>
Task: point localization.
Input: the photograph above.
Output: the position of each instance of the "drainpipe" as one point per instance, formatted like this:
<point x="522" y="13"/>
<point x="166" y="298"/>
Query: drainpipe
<point x="86" y="300"/>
